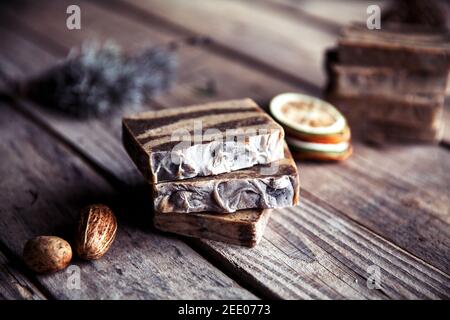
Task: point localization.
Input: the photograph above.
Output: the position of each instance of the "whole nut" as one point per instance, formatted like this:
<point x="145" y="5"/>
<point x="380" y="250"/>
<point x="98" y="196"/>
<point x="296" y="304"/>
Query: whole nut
<point x="47" y="254"/>
<point x="95" y="231"/>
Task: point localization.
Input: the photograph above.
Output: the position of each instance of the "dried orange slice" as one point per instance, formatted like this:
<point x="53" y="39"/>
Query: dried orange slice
<point x="307" y="115"/>
<point x="322" y="156"/>
<point x="319" y="151"/>
<point x="342" y="136"/>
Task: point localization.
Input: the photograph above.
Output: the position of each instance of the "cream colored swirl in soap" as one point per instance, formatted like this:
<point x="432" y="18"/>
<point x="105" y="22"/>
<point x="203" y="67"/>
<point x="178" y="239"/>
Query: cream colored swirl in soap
<point x="218" y="157"/>
<point x="226" y="195"/>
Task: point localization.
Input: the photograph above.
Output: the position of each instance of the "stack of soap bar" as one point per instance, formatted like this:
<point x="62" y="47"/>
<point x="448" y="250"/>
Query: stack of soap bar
<point x="395" y="79"/>
<point x="216" y="169"/>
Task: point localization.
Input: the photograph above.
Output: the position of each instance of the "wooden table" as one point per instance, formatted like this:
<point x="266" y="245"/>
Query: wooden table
<point x="385" y="209"/>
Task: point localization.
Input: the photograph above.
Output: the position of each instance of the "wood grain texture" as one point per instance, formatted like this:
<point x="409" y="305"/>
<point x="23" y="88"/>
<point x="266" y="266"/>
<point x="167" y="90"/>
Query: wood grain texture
<point x="196" y="73"/>
<point x="14" y="284"/>
<point x="44" y="185"/>
<point x="410" y="209"/>
<point x="329" y="13"/>
<point x="251" y="30"/>
<point x="326" y="255"/>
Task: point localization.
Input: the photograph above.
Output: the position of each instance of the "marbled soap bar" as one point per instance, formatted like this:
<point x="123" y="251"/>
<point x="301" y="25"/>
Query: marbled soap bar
<point x="202" y="140"/>
<point x="244" y="227"/>
<point x="266" y="186"/>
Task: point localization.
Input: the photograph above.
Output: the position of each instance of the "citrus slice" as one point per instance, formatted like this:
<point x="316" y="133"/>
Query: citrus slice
<point x="307" y="114"/>
<point x="318" y="147"/>
<point x="343" y="136"/>
<point x="322" y="156"/>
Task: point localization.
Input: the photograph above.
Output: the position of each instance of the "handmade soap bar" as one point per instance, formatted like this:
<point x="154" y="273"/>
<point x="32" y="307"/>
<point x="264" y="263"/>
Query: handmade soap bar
<point x="409" y="110"/>
<point x="259" y="187"/>
<point x="355" y="80"/>
<point x="243" y="227"/>
<point x="202" y="140"/>
<point x="409" y="48"/>
<point x="381" y="132"/>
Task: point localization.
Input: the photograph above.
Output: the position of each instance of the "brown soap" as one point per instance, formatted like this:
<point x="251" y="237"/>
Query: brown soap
<point x="404" y="47"/>
<point x="355" y="80"/>
<point x="381" y="132"/>
<point x="267" y="186"/>
<point x="421" y="111"/>
<point x="202" y="140"/>
<point x="244" y="227"/>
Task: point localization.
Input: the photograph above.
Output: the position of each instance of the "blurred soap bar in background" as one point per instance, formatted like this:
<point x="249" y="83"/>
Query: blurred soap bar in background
<point x="392" y="82"/>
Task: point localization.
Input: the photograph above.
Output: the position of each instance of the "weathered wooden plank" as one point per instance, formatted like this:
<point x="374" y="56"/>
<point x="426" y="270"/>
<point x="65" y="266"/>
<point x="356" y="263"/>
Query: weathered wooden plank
<point x="43" y="187"/>
<point x="411" y="215"/>
<point x="329" y="13"/>
<point x="187" y="97"/>
<point x="14" y="284"/>
<point x="248" y="29"/>
<point x="315" y="244"/>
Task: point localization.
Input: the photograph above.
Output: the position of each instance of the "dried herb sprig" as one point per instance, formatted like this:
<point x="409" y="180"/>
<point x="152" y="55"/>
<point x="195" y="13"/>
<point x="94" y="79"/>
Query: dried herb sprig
<point x="97" y="79"/>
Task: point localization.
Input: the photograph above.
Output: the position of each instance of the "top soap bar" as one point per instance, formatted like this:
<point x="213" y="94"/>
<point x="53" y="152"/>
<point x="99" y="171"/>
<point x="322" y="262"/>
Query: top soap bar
<point x="202" y="140"/>
<point x="406" y="47"/>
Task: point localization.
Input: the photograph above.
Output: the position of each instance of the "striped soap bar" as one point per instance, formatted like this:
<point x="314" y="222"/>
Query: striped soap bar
<point x="273" y="185"/>
<point x="202" y="140"/>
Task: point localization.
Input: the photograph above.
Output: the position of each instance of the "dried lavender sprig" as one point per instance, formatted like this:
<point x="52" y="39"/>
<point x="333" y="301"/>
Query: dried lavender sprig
<point x="95" y="80"/>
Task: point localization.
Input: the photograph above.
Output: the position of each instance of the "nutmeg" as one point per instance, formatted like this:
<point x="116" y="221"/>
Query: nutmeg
<point x="95" y="231"/>
<point x="47" y="254"/>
